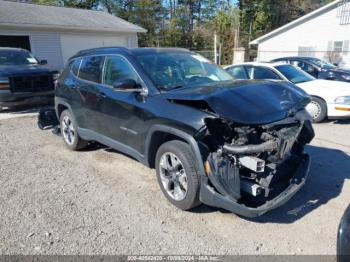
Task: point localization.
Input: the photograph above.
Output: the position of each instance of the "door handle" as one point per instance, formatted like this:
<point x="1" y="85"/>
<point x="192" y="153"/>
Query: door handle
<point x="101" y="95"/>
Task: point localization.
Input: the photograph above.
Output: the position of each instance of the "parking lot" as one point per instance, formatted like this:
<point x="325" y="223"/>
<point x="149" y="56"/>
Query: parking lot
<point x="99" y="201"/>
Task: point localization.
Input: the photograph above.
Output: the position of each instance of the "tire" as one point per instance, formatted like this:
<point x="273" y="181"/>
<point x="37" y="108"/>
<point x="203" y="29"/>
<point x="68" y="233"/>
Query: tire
<point x="184" y="165"/>
<point x="317" y="109"/>
<point x="41" y="127"/>
<point x="69" y="132"/>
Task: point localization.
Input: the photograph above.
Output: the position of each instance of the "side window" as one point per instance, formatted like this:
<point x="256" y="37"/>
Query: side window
<point x="238" y="72"/>
<point x="74" y="66"/>
<point x="295" y="63"/>
<point x="305" y="67"/>
<point x="116" y="68"/>
<point x="91" y="68"/>
<point x="263" y="73"/>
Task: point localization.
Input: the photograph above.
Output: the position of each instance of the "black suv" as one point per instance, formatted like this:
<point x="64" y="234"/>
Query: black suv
<point x="237" y="145"/>
<point x="24" y="79"/>
<point x="317" y="68"/>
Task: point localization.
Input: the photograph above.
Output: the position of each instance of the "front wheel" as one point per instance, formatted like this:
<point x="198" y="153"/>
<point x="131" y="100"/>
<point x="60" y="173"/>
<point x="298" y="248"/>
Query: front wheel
<point x="317" y="108"/>
<point x="177" y="175"/>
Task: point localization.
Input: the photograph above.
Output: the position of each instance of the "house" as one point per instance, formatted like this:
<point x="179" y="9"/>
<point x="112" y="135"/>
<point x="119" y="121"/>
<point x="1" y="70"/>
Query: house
<point x="56" y="33"/>
<point x="323" y="33"/>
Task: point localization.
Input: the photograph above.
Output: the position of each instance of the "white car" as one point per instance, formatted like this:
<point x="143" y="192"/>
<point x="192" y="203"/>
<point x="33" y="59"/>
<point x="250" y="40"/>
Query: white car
<point x="329" y="98"/>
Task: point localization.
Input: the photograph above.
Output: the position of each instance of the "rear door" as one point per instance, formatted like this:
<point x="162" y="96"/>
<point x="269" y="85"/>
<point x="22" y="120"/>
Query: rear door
<point x="89" y="81"/>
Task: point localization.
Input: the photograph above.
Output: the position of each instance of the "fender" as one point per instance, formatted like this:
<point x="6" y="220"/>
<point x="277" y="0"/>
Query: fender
<point x="62" y="101"/>
<point x="182" y="134"/>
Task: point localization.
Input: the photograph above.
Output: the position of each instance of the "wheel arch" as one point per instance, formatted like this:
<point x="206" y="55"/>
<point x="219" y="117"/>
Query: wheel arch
<point x="60" y="109"/>
<point x="321" y="98"/>
<point x="60" y="106"/>
<point x="159" y="134"/>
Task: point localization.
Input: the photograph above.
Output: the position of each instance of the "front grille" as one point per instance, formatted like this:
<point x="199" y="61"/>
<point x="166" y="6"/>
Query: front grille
<point x="36" y="83"/>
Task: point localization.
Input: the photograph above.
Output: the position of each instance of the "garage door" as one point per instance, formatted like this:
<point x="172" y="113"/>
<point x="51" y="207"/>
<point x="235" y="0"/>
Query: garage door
<point x="71" y="44"/>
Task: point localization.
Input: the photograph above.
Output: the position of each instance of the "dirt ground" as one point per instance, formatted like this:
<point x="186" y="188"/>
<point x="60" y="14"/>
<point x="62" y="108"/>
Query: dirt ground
<point x="98" y="201"/>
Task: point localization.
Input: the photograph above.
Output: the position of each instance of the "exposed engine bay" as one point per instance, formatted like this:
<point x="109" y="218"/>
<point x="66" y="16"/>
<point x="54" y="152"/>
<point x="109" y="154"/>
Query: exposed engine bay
<point x="252" y="164"/>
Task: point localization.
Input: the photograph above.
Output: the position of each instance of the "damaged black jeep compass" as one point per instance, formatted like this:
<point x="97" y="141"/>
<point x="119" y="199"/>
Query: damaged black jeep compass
<point x="237" y="145"/>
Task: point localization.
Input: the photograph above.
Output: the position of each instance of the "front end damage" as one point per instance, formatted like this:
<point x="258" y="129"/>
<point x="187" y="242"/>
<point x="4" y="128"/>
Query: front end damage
<point x="251" y="169"/>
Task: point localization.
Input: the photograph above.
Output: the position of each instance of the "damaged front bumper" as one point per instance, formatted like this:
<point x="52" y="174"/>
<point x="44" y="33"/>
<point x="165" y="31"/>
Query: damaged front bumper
<point x="209" y="196"/>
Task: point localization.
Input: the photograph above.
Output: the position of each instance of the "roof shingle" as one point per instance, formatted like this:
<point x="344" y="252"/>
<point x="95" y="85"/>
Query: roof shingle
<point x="42" y="16"/>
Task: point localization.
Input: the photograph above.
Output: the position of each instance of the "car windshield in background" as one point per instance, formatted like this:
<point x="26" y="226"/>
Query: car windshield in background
<point x="321" y="63"/>
<point x="293" y="74"/>
<point x="9" y="57"/>
<point x="176" y="70"/>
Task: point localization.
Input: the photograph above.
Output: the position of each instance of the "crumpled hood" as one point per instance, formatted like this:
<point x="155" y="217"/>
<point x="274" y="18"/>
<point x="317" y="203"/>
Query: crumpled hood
<point x="246" y="102"/>
<point x="342" y="70"/>
<point x="24" y="70"/>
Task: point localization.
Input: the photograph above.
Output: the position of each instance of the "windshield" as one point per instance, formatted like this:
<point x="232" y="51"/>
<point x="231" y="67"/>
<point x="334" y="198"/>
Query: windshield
<point x="321" y="63"/>
<point x="293" y="74"/>
<point x="15" y="57"/>
<point x="179" y="69"/>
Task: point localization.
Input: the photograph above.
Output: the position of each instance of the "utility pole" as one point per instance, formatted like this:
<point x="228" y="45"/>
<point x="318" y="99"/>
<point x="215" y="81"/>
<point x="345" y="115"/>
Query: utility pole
<point x="250" y="33"/>
<point x="215" y="48"/>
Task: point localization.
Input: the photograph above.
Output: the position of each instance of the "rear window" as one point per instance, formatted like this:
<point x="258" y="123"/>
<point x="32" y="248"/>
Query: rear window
<point x="91" y="68"/>
<point x="262" y="73"/>
<point x="237" y="72"/>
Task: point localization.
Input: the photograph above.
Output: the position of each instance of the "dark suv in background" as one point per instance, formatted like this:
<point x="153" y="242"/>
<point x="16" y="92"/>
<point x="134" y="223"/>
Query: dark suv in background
<point x="237" y="145"/>
<point x="317" y="68"/>
<point x="24" y="79"/>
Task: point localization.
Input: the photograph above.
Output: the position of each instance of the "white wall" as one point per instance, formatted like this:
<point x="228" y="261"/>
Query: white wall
<point x="315" y="33"/>
<point x="72" y="43"/>
<point x="57" y="47"/>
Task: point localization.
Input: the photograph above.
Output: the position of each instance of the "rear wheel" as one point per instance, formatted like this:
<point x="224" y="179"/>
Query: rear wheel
<point x="69" y="132"/>
<point x="317" y="108"/>
<point x="177" y="175"/>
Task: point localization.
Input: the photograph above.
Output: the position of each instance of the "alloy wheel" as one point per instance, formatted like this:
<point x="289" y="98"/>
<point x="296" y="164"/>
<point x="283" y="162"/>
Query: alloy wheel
<point x="69" y="134"/>
<point x="173" y="176"/>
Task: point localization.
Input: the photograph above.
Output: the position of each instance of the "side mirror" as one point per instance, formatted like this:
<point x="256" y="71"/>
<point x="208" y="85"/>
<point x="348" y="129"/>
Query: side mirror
<point x="343" y="245"/>
<point x="125" y="84"/>
<point x="129" y="85"/>
<point x="335" y="64"/>
<point x="43" y="62"/>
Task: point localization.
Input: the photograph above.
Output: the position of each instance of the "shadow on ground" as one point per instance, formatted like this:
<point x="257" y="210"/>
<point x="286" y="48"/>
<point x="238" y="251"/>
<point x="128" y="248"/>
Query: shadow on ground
<point x="18" y="110"/>
<point x="328" y="172"/>
<point x="339" y="121"/>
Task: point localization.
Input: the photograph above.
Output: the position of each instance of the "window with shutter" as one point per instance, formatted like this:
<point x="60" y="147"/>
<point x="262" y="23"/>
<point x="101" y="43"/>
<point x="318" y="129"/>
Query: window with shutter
<point x="338" y="46"/>
<point x="346" y="48"/>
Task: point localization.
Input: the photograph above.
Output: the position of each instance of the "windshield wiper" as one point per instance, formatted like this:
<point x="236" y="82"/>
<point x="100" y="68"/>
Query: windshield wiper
<point x="176" y="87"/>
<point x="165" y="88"/>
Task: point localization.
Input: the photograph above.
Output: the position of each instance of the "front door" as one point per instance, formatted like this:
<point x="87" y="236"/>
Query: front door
<point x="122" y="112"/>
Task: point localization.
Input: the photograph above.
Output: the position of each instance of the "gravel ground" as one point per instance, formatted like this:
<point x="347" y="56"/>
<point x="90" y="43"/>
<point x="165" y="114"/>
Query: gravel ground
<point x="98" y="201"/>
